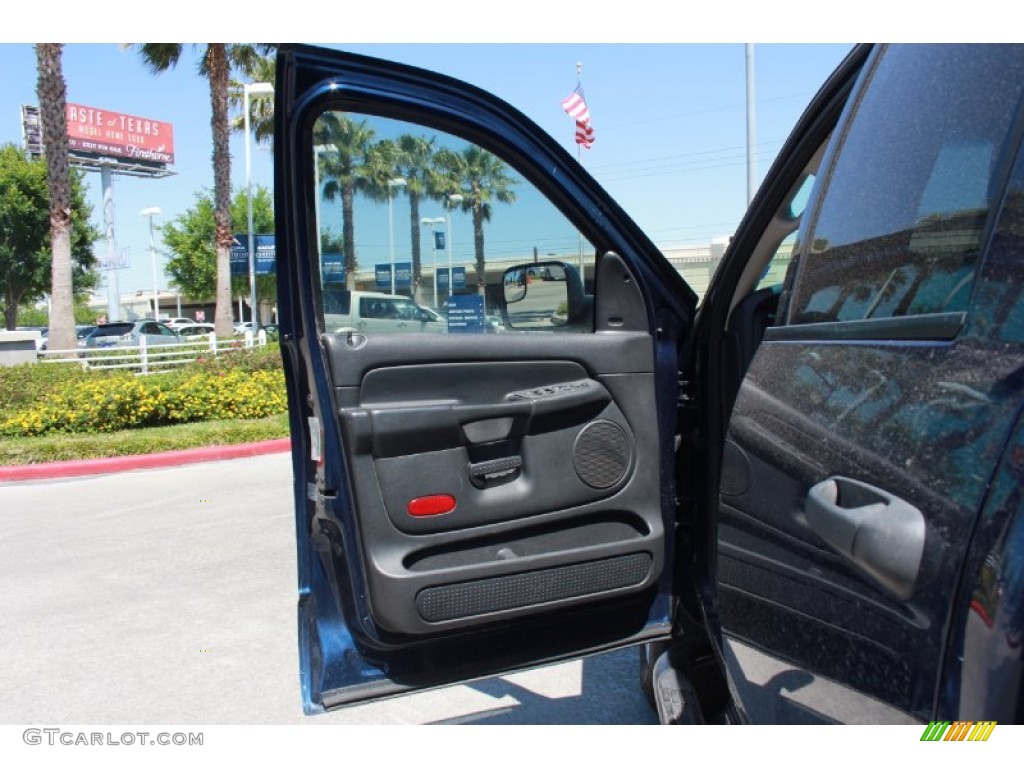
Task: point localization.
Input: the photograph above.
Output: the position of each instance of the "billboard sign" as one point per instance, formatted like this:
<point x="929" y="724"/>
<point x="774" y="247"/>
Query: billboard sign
<point x="132" y="139"/>
<point x="31" y="130"/>
<point x="114" y="260"/>
<point x="264" y="251"/>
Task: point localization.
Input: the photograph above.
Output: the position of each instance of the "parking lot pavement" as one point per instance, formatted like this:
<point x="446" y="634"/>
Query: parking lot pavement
<point x="168" y="596"/>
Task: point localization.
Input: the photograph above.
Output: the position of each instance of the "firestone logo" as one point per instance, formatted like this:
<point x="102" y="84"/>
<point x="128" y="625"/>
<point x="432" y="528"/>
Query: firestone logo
<point x="944" y="730"/>
<point x="148" y="154"/>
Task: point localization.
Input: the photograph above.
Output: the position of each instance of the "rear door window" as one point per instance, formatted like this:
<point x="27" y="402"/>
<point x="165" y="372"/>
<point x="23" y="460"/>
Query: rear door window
<point x="113" y="330"/>
<point x="909" y="198"/>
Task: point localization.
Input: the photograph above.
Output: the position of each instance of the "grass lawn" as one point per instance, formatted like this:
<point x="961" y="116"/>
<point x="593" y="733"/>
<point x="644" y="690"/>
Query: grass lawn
<point x="36" y="450"/>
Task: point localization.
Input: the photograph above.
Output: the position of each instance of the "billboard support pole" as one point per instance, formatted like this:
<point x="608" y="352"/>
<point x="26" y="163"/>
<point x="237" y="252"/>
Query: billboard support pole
<point x="113" y="300"/>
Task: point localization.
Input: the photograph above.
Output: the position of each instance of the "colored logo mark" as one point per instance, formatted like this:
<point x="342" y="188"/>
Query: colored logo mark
<point x="944" y="730"/>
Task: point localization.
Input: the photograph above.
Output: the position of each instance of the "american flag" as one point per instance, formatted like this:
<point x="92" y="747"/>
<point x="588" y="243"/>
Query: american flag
<point x="584" y="134"/>
<point x="575" y="104"/>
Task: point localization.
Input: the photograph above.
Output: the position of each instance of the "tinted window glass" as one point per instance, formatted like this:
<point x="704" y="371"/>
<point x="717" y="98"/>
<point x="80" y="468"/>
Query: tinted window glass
<point x="900" y="226"/>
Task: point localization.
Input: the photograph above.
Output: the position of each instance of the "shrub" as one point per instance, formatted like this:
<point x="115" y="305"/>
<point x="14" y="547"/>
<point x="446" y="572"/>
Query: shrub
<point x="266" y="358"/>
<point x="22" y="385"/>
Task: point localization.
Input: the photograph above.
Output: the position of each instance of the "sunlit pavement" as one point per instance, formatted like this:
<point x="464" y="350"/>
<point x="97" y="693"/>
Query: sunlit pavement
<point x="168" y="596"/>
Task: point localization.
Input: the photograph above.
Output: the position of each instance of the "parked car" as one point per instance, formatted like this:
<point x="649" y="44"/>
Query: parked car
<point x="179" y="322"/>
<point x="375" y="312"/>
<point x="808" y="483"/>
<point x="241" y="328"/>
<point x="44" y="333"/>
<point x="128" y="333"/>
<point x="191" y="331"/>
<point x="82" y="333"/>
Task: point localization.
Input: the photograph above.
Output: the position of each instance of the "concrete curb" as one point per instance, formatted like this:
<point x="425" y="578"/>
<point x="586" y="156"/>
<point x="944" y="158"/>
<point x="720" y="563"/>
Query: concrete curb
<point x="61" y="469"/>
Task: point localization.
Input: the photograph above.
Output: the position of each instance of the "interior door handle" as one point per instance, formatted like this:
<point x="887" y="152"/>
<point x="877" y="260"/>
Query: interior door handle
<point x="881" y="534"/>
<point x="496" y="469"/>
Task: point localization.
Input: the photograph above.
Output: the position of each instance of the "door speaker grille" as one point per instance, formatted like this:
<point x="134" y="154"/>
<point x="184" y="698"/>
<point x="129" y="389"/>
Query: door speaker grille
<point x="472" y="598"/>
<point x="602" y="454"/>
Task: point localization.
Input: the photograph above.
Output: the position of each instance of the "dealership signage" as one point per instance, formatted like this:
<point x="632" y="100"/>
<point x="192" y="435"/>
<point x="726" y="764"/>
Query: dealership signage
<point x="466" y="314"/>
<point x="458" y="278"/>
<point x="403" y="275"/>
<point x="333" y="269"/>
<point x="264" y="251"/>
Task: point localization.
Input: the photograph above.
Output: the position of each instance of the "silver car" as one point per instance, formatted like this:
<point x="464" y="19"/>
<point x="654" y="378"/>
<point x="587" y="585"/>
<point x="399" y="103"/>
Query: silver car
<point x="127" y="334"/>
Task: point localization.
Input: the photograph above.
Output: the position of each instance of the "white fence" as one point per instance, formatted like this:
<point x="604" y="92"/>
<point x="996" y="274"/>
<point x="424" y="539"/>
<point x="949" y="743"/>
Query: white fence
<point x="151" y="358"/>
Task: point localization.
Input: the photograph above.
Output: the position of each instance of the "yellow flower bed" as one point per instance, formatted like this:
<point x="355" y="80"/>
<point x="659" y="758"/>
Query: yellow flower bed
<point x="114" y="403"/>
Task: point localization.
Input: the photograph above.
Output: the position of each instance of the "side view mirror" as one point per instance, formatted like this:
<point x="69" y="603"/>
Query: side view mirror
<point x="543" y="295"/>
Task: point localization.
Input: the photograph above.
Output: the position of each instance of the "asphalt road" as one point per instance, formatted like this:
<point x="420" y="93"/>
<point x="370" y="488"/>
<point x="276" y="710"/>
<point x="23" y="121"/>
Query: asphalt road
<point x="168" y="596"/>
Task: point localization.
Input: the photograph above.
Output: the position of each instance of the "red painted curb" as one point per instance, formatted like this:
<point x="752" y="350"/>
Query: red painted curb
<point x="59" y="469"/>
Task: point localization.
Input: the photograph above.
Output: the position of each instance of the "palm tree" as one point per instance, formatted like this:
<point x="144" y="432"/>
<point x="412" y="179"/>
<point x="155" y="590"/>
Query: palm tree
<point x="216" y="62"/>
<point x="52" y="92"/>
<point x="415" y="163"/>
<point x="343" y="169"/>
<point x="479" y="177"/>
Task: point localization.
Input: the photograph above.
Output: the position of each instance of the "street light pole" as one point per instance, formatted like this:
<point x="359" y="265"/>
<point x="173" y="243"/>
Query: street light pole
<point x="452" y="200"/>
<point x="392" y="183"/>
<point x="433" y="245"/>
<point x="317" y="151"/>
<point x="251" y="89"/>
<point x="150" y="213"/>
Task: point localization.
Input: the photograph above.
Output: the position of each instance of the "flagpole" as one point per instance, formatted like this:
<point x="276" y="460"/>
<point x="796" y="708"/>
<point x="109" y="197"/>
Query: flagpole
<point x="579" y="159"/>
<point x="575" y="105"/>
<point x="751" y="125"/>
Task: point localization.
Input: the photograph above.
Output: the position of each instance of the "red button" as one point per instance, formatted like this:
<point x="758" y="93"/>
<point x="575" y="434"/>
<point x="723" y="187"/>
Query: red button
<point x="425" y="506"/>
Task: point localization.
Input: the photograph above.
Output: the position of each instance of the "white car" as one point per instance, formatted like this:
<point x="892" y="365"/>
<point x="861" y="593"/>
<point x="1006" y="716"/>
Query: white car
<point x="179" y="322"/>
<point x="194" y="330"/>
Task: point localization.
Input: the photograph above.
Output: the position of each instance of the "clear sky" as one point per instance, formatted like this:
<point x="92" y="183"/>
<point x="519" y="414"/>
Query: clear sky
<point x="669" y="116"/>
<point x="669" y="121"/>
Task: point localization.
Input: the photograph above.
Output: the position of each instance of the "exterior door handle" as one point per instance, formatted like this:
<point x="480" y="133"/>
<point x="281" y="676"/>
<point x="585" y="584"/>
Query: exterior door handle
<point x="881" y="534"/>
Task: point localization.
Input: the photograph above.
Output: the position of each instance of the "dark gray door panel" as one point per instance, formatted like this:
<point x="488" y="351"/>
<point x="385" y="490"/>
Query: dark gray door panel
<point x="499" y="489"/>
